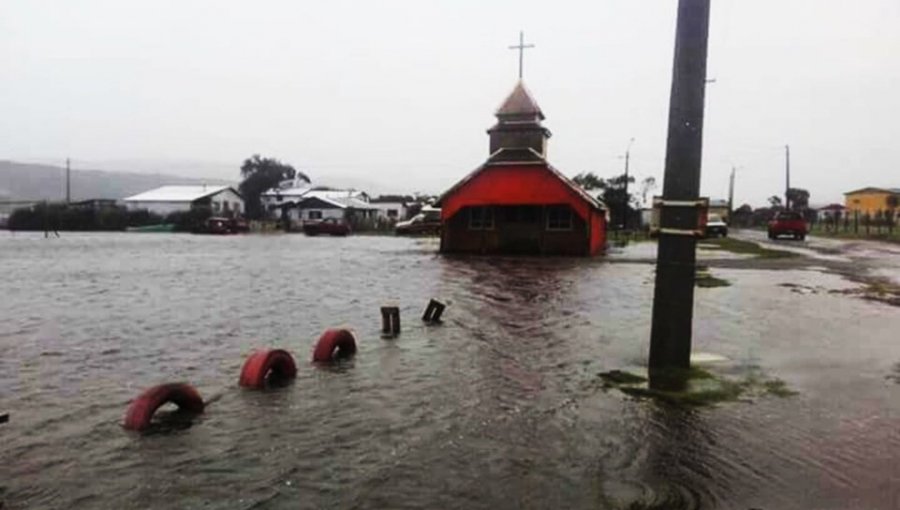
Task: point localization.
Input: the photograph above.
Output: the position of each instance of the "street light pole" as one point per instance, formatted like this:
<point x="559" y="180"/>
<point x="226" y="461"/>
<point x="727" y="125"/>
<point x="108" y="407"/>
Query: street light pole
<point x="673" y="296"/>
<point x="625" y="205"/>
<point x="731" y="192"/>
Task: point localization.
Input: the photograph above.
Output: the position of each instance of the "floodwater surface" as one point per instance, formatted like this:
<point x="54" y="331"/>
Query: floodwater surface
<point x="498" y="407"/>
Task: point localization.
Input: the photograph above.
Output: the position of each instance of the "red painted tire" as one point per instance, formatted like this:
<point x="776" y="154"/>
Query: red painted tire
<point x="261" y="364"/>
<point x="141" y="410"/>
<point x="334" y="343"/>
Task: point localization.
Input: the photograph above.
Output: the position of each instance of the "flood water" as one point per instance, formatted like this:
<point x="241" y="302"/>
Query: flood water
<point x="499" y="407"/>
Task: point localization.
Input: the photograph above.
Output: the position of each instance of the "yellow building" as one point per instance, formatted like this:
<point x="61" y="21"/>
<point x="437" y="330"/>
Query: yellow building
<point x="871" y="200"/>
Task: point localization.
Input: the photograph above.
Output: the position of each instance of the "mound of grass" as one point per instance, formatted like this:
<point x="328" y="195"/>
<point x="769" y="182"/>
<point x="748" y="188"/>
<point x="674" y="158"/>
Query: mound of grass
<point x="706" y="280"/>
<point x="696" y="387"/>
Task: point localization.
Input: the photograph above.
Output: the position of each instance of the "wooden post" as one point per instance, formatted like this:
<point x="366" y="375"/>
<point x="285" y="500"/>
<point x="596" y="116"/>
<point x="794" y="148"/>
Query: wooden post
<point x="433" y="312"/>
<point x="390" y="321"/>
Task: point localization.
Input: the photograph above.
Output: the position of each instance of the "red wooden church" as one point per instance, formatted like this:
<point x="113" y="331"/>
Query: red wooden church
<point x="516" y="202"/>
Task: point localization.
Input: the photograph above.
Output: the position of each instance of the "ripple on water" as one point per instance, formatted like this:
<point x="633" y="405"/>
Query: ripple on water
<point x="496" y="408"/>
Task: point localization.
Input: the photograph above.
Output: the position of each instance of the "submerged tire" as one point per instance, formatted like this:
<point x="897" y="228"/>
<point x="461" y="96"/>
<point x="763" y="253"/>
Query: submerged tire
<point x="334" y="343"/>
<point x="141" y="410"/>
<point x="265" y="363"/>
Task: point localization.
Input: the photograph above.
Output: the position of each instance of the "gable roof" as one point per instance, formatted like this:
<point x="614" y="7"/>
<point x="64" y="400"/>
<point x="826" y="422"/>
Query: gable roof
<point x="520" y="102"/>
<point x="335" y="199"/>
<point x="178" y="193"/>
<point x="527" y="156"/>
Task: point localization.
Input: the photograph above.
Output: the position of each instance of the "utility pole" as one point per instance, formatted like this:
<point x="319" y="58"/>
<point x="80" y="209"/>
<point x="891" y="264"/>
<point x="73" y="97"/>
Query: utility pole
<point x="673" y="295"/>
<point x="68" y="183"/>
<point x="731" y="193"/>
<point x="787" y="177"/>
<point x="625" y="203"/>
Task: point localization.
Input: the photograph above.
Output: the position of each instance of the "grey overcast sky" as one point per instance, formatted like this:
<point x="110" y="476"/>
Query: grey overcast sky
<point x="396" y="95"/>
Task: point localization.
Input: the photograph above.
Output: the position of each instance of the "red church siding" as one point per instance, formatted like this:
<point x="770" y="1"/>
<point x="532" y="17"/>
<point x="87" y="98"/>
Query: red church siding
<point x="513" y="184"/>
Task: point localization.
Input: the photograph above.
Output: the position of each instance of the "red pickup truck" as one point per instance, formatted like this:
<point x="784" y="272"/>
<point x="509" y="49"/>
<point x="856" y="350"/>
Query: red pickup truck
<point x="787" y="223"/>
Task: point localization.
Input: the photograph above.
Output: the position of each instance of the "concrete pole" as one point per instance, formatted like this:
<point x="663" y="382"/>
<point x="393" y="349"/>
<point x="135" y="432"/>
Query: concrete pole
<point x="673" y="297"/>
<point x="787" y="177"/>
<point x="68" y="183"/>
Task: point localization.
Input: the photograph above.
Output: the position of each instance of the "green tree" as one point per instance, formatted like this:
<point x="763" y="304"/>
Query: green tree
<point x="799" y="198"/>
<point x="647" y="185"/>
<point x="261" y="174"/>
<point x="893" y="201"/>
<point x="612" y="193"/>
<point x="775" y="201"/>
<point x="588" y="181"/>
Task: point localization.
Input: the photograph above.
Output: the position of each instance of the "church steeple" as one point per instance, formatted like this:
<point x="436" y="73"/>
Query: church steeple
<point x="519" y="123"/>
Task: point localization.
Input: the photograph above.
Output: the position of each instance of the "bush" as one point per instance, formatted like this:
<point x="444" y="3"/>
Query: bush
<point x="47" y="216"/>
<point x="193" y="220"/>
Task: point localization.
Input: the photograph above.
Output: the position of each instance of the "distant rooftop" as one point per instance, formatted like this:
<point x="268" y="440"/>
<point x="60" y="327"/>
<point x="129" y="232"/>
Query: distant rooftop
<point x="176" y="193"/>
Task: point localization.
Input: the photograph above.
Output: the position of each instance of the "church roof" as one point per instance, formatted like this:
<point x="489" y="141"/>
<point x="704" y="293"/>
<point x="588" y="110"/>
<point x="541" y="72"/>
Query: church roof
<point x="525" y="156"/>
<point x="520" y="102"/>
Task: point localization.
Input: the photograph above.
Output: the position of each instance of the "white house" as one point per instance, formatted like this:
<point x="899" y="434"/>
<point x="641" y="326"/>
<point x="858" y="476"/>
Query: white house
<point x="322" y="204"/>
<point x="389" y="209"/>
<point x="223" y="200"/>
<point x="287" y="193"/>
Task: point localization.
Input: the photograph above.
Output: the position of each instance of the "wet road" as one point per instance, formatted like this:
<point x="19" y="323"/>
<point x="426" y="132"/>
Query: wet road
<point x="879" y="259"/>
<point x="498" y="408"/>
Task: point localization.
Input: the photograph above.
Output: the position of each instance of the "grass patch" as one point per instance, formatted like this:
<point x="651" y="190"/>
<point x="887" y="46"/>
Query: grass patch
<point x="778" y="388"/>
<point x="746" y="248"/>
<point x="699" y="387"/>
<point x="706" y="280"/>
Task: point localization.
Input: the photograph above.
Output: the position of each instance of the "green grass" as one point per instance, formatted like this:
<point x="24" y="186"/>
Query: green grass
<point x="745" y="248"/>
<point x="873" y="235"/>
<point x="705" y="280"/>
<point x="697" y="387"/>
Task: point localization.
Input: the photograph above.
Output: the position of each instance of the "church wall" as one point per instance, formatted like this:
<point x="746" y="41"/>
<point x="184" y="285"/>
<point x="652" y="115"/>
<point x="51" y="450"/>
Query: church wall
<point x="515" y="237"/>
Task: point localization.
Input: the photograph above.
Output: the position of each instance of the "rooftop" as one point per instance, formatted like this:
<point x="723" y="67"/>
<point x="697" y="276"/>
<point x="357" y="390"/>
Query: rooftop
<point x="176" y="193"/>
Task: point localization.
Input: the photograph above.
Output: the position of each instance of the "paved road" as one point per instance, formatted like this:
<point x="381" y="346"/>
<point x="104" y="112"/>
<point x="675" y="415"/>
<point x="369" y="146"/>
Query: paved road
<point x="870" y="258"/>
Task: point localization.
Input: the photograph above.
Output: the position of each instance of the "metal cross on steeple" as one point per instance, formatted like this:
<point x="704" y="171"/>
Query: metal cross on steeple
<point x="521" y="47"/>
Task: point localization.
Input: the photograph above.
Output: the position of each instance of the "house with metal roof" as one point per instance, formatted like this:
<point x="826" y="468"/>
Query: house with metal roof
<point x="222" y="200"/>
<point x="516" y="202"/>
<point x="350" y="206"/>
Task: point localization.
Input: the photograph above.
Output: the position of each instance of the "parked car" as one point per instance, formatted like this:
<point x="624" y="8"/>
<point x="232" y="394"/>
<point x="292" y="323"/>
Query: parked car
<point x="787" y="223"/>
<point x="328" y="226"/>
<point x="427" y="222"/>
<point x="221" y="226"/>
<point x="715" y="226"/>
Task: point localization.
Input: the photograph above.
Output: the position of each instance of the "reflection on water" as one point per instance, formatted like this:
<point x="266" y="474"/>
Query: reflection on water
<point x="498" y="407"/>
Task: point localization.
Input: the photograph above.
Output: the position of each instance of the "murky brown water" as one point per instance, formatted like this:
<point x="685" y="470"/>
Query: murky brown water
<point x="497" y="408"/>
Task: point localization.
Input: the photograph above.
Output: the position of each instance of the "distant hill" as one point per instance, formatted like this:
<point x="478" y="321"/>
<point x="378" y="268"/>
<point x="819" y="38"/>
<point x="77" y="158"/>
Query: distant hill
<point x="25" y="181"/>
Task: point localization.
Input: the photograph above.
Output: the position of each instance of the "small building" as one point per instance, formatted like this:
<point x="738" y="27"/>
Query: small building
<point x="222" y="200"/>
<point x="287" y="193"/>
<point x="516" y="202"/>
<point x="830" y="212"/>
<point x="719" y="207"/>
<point x="350" y="206"/>
<point x="391" y="208"/>
<point x="872" y="201"/>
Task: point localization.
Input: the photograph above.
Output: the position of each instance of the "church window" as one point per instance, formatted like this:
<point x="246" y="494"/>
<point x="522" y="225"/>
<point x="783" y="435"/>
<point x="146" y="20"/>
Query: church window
<point x="559" y="217"/>
<point x="481" y="218"/>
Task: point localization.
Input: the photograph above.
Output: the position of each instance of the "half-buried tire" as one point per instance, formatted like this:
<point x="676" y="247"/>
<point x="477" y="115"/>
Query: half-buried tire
<point x="266" y="365"/>
<point x="334" y="344"/>
<point x="141" y="410"/>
